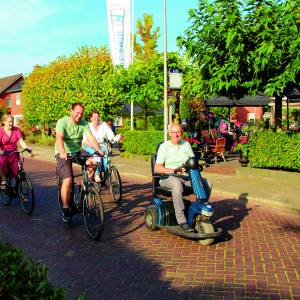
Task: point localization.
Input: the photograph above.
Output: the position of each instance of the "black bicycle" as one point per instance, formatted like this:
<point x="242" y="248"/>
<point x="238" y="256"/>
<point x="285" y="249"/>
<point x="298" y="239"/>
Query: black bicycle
<point x="22" y="188"/>
<point x="85" y="199"/>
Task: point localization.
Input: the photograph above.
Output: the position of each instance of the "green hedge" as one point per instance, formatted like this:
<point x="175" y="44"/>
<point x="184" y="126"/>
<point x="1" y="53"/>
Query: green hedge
<point x="275" y="150"/>
<point x="142" y="142"/>
<point x="22" y="278"/>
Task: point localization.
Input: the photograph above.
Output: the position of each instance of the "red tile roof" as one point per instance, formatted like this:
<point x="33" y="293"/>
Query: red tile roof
<point x="6" y="82"/>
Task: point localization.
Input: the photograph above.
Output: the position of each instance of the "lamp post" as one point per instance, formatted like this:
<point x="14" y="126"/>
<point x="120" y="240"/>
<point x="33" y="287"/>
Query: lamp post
<point x="165" y="75"/>
<point x="131" y="61"/>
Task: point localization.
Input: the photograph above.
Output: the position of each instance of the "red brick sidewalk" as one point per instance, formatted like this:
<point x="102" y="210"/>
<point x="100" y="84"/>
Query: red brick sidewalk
<point x="256" y="258"/>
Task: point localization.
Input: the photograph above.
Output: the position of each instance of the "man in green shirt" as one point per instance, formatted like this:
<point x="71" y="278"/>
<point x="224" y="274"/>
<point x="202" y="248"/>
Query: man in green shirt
<point x="69" y="134"/>
<point x="171" y="155"/>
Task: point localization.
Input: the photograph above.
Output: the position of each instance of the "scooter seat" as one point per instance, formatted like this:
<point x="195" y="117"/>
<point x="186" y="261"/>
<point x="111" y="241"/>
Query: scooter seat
<point x="164" y="192"/>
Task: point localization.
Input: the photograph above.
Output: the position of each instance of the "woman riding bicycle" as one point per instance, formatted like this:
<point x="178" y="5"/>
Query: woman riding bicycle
<point x="9" y="138"/>
<point x="101" y="131"/>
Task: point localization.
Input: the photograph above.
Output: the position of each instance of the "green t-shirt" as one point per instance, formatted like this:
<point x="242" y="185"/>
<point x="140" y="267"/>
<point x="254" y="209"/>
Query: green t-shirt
<point x="173" y="156"/>
<point x="73" y="134"/>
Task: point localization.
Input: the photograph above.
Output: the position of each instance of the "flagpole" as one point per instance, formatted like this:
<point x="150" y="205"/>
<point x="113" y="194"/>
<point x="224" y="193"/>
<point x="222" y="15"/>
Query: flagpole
<point x="132" y="52"/>
<point x="165" y="75"/>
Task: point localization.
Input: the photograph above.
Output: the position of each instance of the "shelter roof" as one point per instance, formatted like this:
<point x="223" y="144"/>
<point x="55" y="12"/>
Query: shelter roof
<point x="258" y="100"/>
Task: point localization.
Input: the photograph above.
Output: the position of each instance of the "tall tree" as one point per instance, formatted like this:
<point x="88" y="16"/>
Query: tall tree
<point x="145" y="40"/>
<point x="248" y="49"/>
<point x="87" y="76"/>
<point x="145" y="79"/>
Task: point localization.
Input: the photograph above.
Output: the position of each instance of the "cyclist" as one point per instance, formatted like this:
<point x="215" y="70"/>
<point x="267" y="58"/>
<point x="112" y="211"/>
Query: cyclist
<point x="101" y="131"/>
<point x="170" y="156"/>
<point x="9" y="138"/>
<point x="69" y="135"/>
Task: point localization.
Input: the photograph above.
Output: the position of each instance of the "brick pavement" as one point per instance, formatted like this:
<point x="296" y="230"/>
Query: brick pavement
<point x="256" y="258"/>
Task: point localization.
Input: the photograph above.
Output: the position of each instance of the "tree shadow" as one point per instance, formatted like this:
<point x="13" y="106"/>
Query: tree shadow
<point x="136" y="263"/>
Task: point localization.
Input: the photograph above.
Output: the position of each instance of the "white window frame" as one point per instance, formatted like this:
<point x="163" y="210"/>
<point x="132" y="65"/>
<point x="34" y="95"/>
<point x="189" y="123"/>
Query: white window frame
<point x="18" y="98"/>
<point x="17" y="118"/>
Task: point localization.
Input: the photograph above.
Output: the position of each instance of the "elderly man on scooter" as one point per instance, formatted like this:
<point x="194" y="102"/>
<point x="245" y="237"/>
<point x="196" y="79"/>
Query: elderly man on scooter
<point x="171" y="156"/>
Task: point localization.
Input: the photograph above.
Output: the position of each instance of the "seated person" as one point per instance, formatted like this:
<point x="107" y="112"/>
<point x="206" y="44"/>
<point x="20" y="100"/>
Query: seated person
<point x="171" y="155"/>
<point x="9" y="137"/>
<point x="295" y="126"/>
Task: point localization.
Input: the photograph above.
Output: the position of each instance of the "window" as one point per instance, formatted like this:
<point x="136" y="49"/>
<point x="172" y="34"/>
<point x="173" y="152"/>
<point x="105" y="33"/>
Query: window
<point x="17" y="119"/>
<point x="18" y="99"/>
<point x="251" y="117"/>
<point x="118" y="121"/>
<point x="8" y="102"/>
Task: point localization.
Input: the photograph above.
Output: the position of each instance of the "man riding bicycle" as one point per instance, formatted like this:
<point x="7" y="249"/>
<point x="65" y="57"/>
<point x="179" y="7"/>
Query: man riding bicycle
<point x="69" y="135"/>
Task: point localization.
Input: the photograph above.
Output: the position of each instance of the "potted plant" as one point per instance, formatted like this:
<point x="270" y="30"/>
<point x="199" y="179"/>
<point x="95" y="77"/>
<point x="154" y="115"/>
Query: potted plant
<point x="243" y="150"/>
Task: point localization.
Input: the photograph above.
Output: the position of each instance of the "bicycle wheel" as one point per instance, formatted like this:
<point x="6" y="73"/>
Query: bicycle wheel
<point x="26" y="194"/>
<point x="115" y="184"/>
<point x="6" y="195"/>
<point x="93" y="213"/>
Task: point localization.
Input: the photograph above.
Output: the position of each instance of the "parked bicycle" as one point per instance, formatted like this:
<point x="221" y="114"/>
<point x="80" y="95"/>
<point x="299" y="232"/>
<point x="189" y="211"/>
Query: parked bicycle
<point x="110" y="174"/>
<point x="22" y="188"/>
<point x="85" y="199"/>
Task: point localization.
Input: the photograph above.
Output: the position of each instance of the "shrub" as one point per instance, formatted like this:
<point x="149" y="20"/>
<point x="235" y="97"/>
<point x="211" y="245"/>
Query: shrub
<point x="22" y="278"/>
<point x="142" y="142"/>
<point x="275" y="150"/>
<point x="48" y="140"/>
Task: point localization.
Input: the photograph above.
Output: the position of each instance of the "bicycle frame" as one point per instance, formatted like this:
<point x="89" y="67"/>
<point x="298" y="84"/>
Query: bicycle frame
<point x="88" y="201"/>
<point x="21" y="172"/>
<point x="106" y="168"/>
<point x="86" y="181"/>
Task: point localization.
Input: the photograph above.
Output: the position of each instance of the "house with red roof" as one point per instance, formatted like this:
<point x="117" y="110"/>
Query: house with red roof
<point x="11" y="96"/>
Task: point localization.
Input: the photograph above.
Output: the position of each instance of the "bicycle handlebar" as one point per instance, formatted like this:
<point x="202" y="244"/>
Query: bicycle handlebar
<point x="76" y="156"/>
<point x="29" y="150"/>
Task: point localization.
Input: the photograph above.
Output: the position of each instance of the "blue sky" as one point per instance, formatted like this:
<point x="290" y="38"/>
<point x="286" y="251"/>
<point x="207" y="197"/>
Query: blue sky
<point x="38" y="31"/>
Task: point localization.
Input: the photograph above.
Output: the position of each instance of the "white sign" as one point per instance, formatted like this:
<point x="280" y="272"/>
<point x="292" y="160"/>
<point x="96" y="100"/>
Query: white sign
<point x="118" y="19"/>
<point x="175" y="78"/>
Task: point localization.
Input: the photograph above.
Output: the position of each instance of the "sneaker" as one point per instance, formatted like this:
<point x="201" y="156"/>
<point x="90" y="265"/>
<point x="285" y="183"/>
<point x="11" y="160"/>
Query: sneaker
<point x="97" y="178"/>
<point x="67" y="215"/>
<point x="186" y="227"/>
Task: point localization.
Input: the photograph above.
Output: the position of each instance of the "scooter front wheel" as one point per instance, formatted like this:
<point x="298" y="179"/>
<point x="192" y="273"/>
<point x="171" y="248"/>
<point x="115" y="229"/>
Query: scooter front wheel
<point x="151" y="218"/>
<point x="205" y="227"/>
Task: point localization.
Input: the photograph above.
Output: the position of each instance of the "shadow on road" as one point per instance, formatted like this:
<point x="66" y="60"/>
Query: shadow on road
<point x="129" y="262"/>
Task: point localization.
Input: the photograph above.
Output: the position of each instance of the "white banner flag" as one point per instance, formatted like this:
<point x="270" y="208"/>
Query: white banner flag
<point x="118" y="18"/>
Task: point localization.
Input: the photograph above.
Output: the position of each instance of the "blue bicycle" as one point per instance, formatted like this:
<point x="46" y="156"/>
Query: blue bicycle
<point x="109" y="174"/>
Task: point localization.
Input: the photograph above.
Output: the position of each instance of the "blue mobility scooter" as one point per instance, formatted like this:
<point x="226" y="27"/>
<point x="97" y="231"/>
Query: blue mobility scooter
<point x="198" y="213"/>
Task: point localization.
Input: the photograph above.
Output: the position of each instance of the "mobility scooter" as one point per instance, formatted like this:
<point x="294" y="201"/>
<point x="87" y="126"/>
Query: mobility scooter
<point x="198" y="213"/>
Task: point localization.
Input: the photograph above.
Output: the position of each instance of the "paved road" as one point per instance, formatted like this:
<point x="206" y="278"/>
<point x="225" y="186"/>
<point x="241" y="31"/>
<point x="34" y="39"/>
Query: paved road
<point x="257" y="258"/>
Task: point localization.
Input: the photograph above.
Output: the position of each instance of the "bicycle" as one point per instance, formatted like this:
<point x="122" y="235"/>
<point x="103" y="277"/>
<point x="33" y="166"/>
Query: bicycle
<point x="110" y="174"/>
<point x="85" y="199"/>
<point x="22" y="189"/>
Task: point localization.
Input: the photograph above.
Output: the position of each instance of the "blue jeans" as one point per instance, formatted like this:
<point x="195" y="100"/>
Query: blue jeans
<point x="104" y="160"/>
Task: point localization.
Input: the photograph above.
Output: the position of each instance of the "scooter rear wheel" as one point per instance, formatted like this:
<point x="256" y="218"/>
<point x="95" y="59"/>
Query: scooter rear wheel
<point x="151" y="218"/>
<point x="205" y="227"/>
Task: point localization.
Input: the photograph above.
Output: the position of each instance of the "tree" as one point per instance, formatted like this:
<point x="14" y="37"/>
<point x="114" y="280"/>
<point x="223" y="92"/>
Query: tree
<point x="245" y="50"/>
<point x="146" y="85"/>
<point x="148" y="47"/>
<point x="87" y="76"/>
